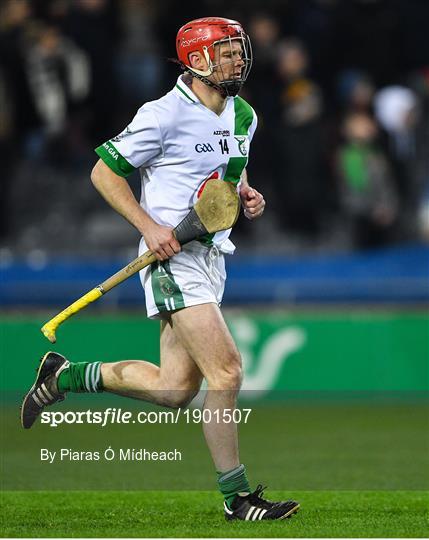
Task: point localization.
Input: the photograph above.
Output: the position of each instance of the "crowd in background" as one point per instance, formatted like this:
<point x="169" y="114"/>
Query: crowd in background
<point x="341" y="89"/>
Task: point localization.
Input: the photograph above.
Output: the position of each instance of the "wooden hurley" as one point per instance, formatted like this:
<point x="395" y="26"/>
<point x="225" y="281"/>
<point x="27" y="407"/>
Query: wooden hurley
<point x="216" y="210"/>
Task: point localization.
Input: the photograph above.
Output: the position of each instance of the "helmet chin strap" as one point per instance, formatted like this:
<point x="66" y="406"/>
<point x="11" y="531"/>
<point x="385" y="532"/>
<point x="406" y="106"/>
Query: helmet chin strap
<point x="207" y="82"/>
<point x="225" y="88"/>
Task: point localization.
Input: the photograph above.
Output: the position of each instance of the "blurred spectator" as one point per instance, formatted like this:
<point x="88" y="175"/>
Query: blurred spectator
<point x="94" y="27"/>
<point x="313" y="22"/>
<point x="73" y="71"/>
<point x="367" y="195"/>
<point x="261" y="90"/>
<point x="355" y="91"/>
<point x="264" y="32"/>
<point x="58" y="73"/>
<point x="423" y="215"/>
<point x="139" y="65"/>
<point x="301" y="169"/>
<point x="398" y="111"/>
<point x="395" y="108"/>
<point x="6" y="150"/>
<point x="419" y="82"/>
<point x="18" y="114"/>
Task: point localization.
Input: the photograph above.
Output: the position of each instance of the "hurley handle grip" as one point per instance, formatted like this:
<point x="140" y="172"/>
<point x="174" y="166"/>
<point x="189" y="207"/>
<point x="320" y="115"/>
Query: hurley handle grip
<point x="51" y="326"/>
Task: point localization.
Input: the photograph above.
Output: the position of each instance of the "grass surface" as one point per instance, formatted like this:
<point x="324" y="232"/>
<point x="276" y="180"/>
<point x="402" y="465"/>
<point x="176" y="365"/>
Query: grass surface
<point x="199" y="514"/>
<point x="358" y="470"/>
<point x="301" y="447"/>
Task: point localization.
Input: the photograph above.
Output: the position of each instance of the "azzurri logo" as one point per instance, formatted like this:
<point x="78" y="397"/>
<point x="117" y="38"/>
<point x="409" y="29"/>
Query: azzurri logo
<point x="204" y="147"/>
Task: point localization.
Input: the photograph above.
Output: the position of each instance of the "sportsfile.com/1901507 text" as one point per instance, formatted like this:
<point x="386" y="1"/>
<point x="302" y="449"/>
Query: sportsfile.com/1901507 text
<point x="119" y="416"/>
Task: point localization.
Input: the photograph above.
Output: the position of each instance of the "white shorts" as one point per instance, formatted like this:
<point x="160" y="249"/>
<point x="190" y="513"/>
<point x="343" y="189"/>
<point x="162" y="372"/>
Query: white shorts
<point x="194" y="276"/>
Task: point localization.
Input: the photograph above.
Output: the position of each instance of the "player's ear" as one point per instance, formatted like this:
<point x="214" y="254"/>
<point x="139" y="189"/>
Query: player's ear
<point x="197" y="61"/>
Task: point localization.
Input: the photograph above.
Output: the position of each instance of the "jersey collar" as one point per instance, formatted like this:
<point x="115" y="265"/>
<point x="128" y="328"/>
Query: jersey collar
<point x="184" y="92"/>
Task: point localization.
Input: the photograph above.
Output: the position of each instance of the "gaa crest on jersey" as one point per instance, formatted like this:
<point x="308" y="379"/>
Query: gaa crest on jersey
<point x="204" y="147"/>
<point x="166" y="286"/>
<point x="243" y="146"/>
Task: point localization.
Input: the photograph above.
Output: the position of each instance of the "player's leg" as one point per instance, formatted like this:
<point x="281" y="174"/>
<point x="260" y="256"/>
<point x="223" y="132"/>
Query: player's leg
<point x="204" y="334"/>
<point x="173" y="384"/>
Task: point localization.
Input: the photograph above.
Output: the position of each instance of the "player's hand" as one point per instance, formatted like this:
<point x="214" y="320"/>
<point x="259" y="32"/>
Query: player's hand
<point x="161" y="241"/>
<point x="253" y="202"/>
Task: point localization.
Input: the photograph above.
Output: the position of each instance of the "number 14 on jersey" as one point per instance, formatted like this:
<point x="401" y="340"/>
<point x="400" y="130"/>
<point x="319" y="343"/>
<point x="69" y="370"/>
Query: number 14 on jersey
<point x="223" y="143"/>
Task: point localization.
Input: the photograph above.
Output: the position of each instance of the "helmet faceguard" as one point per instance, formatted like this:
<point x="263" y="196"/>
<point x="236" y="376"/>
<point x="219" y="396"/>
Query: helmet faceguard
<point x="208" y="36"/>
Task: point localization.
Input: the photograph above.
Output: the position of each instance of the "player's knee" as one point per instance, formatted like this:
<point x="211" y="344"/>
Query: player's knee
<point x="230" y="379"/>
<point x="180" y="398"/>
<point x="229" y="376"/>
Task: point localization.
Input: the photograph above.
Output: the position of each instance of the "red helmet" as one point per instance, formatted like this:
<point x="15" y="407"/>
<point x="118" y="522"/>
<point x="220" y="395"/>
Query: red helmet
<point x="201" y="35"/>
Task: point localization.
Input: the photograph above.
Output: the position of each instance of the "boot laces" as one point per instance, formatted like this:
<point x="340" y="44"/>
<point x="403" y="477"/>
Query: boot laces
<point x="256" y="499"/>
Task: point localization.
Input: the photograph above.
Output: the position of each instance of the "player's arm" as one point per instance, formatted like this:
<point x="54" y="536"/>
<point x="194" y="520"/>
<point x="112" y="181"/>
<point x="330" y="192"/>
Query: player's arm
<point x="116" y="191"/>
<point x="253" y="202"/>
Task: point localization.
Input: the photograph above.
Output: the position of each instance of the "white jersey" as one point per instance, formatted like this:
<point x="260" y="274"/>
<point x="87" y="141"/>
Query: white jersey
<point x="178" y="143"/>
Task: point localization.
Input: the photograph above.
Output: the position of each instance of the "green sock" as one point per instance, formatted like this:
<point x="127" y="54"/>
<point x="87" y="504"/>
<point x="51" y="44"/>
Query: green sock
<point x="81" y="377"/>
<point x="233" y="482"/>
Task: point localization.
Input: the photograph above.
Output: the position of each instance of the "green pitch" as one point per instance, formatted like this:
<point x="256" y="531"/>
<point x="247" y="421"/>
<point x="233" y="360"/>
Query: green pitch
<point x="358" y="470"/>
<point x="199" y="514"/>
